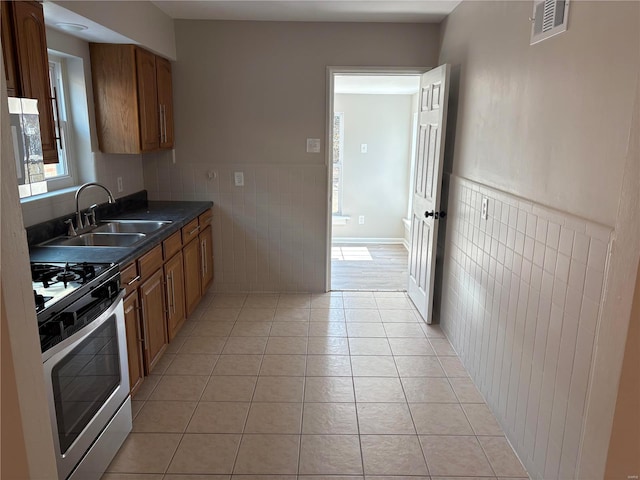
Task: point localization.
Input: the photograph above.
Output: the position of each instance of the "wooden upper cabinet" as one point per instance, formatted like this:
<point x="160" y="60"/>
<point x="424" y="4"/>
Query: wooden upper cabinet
<point x="128" y="98"/>
<point x="9" y="52"/>
<point x="28" y="65"/>
<point x="148" y="100"/>
<point x="165" y="101"/>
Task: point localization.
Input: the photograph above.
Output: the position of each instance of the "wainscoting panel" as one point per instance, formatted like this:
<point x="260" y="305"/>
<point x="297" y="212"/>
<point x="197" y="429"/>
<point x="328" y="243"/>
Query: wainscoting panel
<point x="520" y="303"/>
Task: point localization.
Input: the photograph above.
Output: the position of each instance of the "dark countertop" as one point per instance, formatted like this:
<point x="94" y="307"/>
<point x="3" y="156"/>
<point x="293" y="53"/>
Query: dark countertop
<point x="179" y="213"/>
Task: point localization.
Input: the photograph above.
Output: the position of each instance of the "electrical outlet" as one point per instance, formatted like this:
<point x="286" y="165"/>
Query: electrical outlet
<point x="361" y="220"/>
<point x="120" y="187"/>
<point x="364" y="148"/>
<point x="239" y="179"/>
<point x="485" y="208"/>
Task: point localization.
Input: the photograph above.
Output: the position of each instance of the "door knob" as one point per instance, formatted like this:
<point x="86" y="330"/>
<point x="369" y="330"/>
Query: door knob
<point x="435" y="214"/>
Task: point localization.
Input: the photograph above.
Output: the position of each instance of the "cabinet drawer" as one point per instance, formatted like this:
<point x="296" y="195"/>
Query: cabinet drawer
<point x="190" y="231"/>
<point x="129" y="278"/>
<point x="205" y="219"/>
<point x="172" y="245"/>
<point x="150" y="262"/>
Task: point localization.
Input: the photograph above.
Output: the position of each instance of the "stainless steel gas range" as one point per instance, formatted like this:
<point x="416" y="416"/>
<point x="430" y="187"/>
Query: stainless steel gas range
<point x="82" y="334"/>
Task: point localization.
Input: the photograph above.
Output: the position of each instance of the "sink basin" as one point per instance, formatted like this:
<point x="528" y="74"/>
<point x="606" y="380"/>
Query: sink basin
<point x="97" y="240"/>
<point x="129" y="226"/>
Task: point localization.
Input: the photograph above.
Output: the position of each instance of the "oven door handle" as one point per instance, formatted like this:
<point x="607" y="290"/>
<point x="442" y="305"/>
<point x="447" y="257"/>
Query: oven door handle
<point x="86" y="330"/>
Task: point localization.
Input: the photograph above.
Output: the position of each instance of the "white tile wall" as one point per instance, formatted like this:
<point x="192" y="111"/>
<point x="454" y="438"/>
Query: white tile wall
<point x="268" y="235"/>
<point x="521" y="296"/>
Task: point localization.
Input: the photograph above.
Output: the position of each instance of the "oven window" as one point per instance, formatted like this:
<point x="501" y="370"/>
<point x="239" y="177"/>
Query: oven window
<point x="84" y="379"/>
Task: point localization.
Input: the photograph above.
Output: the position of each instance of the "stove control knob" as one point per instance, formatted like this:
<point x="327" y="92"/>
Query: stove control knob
<point x="68" y="319"/>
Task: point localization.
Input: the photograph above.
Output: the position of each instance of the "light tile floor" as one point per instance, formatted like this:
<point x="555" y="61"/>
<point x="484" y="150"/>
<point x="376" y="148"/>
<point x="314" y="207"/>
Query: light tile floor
<point x="336" y="386"/>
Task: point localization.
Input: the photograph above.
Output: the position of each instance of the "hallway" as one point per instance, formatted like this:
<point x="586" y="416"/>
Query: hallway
<point x="295" y="385"/>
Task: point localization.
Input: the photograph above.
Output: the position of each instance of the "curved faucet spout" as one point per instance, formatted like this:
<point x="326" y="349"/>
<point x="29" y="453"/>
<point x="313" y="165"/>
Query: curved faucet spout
<point x="79" y="191"/>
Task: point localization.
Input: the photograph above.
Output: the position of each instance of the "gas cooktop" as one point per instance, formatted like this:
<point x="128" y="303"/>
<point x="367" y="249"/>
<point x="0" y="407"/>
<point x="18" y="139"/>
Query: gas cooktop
<point x="58" y="284"/>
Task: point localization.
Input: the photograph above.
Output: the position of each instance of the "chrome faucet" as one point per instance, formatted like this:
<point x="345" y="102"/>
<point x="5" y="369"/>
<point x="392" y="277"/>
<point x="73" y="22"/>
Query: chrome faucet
<point x="79" y="225"/>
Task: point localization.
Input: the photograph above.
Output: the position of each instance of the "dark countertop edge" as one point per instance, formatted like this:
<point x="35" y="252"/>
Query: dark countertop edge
<point x="179" y="213"/>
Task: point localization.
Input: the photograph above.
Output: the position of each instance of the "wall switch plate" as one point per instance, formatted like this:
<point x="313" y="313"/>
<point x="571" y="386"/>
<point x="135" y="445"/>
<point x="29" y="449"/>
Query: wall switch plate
<point x="485" y="208"/>
<point x="238" y="178"/>
<point x="313" y="145"/>
<point x="361" y="220"/>
<point x="120" y="187"/>
<point x="363" y="148"/>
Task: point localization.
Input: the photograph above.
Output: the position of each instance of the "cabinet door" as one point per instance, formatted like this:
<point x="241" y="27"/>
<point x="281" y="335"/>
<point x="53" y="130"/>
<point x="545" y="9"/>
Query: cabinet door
<point x="33" y="69"/>
<point x="165" y="101"/>
<point x="174" y="280"/>
<point x="134" y="341"/>
<point x="192" y="292"/>
<point x="206" y="253"/>
<point x="147" y="100"/>
<point x="154" y="320"/>
<point x="115" y="96"/>
<point x="8" y="52"/>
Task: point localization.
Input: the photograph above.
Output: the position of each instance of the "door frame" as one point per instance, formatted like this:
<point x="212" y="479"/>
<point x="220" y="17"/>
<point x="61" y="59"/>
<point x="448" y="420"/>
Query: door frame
<point x="332" y="71"/>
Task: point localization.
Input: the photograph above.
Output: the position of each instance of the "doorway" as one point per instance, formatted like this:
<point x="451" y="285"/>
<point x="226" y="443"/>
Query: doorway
<point x="371" y="142"/>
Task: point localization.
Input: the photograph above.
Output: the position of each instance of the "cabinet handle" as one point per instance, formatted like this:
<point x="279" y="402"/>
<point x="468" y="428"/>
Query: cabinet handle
<point x="144" y="325"/>
<point x="164" y="117"/>
<point x="173" y="294"/>
<point x="194" y="230"/>
<point x="161" y="127"/>
<point x="168" y="297"/>
<point x="203" y="258"/>
<point x="134" y="280"/>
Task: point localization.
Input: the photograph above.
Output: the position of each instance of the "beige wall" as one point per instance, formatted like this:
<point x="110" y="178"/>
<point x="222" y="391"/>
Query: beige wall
<point x="247" y="95"/>
<point x="11" y="434"/>
<point x="376" y="183"/>
<point x="545" y="122"/>
<point x="624" y="449"/>
<point x="551" y="128"/>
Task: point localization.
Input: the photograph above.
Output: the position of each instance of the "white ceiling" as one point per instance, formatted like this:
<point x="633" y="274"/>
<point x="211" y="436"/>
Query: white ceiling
<point x="55" y="15"/>
<point x="417" y="11"/>
<point x="377" y="84"/>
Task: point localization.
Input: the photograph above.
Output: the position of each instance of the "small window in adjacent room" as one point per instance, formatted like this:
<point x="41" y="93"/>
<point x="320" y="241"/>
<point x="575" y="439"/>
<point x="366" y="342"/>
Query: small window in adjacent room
<point x="338" y="162"/>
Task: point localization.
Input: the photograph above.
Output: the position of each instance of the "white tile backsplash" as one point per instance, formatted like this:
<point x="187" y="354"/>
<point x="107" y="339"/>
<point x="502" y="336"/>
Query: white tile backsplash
<point x="268" y="234"/>
<point x="521" y="298"/>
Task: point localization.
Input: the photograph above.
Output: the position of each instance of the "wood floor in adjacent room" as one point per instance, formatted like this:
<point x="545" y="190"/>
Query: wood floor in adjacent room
<point x="368" y="267"/>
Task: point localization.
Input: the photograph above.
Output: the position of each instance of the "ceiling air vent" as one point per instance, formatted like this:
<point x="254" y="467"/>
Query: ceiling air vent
<point x="549" y="19"/>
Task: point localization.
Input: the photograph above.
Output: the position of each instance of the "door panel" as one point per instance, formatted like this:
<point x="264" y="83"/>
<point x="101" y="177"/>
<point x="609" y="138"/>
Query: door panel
<point x="426" y="191"/>
<point x="153" y="316"/>
<point x="148" y="100"/>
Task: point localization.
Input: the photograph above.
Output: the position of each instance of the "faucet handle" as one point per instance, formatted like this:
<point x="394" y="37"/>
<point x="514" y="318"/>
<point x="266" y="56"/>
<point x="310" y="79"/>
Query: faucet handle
<point x="90" y="214"/>
<point x="72" y="231"/>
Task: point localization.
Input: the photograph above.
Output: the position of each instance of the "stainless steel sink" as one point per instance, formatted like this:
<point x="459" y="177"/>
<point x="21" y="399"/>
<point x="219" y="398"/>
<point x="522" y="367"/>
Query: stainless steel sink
<point x="130" y="226"/>
<point x="97" y="240"/>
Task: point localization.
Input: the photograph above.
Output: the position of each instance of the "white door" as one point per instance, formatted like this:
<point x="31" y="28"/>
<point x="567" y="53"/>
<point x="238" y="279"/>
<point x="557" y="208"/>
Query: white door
<point x="432" y="118"/>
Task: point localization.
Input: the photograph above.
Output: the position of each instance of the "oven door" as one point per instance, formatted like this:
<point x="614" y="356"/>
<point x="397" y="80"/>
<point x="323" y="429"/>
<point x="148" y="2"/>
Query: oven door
<point x="87" y="381"/>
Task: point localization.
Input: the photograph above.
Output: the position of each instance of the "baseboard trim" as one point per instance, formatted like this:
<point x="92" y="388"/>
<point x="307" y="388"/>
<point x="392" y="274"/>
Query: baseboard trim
<point x="368" y="240"/>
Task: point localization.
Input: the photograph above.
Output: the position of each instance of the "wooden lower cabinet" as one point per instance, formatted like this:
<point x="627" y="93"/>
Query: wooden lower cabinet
<point x="174" y="280"/>
<point x="153" y="319"/>
<point x="206" y="254"/>
<point x="134" y="341"/>
<point x="192" y="292"/>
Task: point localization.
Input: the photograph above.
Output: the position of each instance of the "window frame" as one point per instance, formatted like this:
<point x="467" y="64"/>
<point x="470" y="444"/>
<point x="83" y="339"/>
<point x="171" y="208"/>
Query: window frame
<point x="57" y="67"/>
<point x="339" y="163"/>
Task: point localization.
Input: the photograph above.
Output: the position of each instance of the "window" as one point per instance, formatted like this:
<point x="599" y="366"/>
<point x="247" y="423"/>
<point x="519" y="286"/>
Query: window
<point x="338" y="161"/>
<point x="59" y="175"/>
